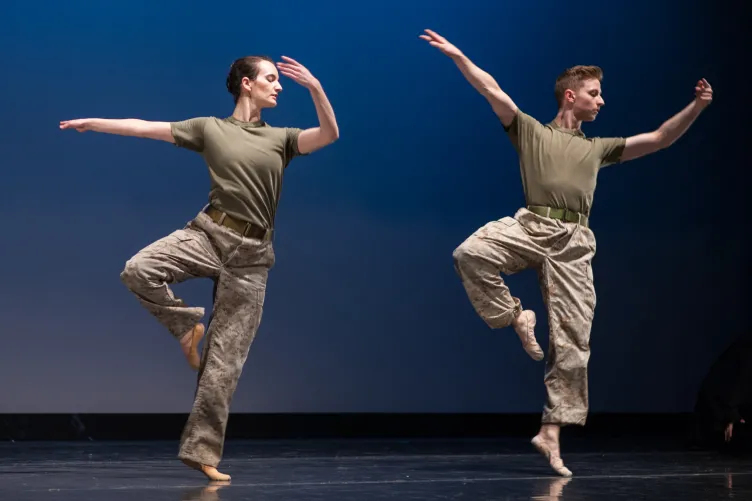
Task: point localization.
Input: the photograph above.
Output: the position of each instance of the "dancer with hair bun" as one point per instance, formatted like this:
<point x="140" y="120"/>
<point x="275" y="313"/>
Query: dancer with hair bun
<point x="230" y="240"/>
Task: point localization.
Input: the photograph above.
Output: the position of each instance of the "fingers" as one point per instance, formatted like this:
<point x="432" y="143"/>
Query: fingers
<point x="703" y="84"/>
<point x="431" y="41"/>
<point x="289" y="67"/>
<point x="291" y="61"/>
<point x="295" y="68"/>
<point x="435" y="35"/>
<point x="290" y="71"/>
<point x="294" y="75"/>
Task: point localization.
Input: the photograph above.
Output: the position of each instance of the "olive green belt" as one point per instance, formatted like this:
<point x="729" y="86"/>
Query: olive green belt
<point x="561" y="214"/>
<point x="245" y="228"/>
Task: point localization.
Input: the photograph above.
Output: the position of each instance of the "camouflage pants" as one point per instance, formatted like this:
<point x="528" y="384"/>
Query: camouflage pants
<point x="562" y="253"/>
<point x="240" y="268"/>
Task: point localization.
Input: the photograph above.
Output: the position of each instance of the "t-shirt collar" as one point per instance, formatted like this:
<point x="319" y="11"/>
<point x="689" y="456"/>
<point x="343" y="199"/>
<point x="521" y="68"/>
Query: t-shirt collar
<point x="241" y="123"/>
<point x="574" y="132"/>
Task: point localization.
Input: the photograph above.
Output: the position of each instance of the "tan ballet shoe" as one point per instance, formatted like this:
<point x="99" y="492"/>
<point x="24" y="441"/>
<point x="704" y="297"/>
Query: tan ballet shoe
<point x="189" y="343"/>
<point x="524" y="326"/>
<point x="555" y="461"/>
<point x="210" y="471"/>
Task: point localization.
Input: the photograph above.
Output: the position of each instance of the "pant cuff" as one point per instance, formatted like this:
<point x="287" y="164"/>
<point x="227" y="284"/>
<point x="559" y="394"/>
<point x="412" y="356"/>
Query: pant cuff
<point x="564" y="416"/>
<point x="208" y="460"/>
<point x="504" y="319"/>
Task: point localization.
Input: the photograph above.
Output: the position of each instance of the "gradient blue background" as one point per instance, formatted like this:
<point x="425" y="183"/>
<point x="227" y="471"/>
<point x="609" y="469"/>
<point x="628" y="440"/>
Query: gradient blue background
<point x="364" y="312"/>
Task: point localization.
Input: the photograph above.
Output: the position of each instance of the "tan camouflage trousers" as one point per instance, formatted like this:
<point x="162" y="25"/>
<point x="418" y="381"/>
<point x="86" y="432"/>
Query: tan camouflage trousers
<point x="562" y="253"/>
<point x="240" y="268"/>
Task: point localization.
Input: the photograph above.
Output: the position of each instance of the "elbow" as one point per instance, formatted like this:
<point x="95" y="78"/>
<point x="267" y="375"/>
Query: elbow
<point x="332" y="136"/>
<point x="490" y="90"/>
<point x="662" y="140"/>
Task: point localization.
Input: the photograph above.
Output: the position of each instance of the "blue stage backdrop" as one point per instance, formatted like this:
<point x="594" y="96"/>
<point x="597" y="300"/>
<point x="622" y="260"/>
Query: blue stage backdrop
<point x="364" y="312"/>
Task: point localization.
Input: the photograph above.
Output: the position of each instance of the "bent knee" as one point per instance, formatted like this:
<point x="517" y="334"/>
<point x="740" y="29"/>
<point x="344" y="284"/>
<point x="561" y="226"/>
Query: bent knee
<point x="134" y="272"/>
<point x="463" y="253"/>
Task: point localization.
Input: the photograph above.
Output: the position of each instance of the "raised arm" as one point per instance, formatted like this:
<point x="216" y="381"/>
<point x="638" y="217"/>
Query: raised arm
<point x="484" y="83"/>
<point x="672" y="129"/>
<point x="122" y="127"/>
<point x="327" y="132"/>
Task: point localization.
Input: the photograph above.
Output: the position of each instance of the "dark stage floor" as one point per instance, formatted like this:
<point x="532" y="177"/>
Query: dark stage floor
<point x="473" y="470"/>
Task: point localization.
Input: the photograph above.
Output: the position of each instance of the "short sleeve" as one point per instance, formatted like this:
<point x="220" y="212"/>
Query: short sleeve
<point x="522" y="129"/>
<point x="611" y="149"/>
<point x="189" y="133"/>
<point x="291" y="144"/>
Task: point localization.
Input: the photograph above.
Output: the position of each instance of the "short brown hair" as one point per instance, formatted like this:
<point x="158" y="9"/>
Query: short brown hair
<point x="572" y="78"/>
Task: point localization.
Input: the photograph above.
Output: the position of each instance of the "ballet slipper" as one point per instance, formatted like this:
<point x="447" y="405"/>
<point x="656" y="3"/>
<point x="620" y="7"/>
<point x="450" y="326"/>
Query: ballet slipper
<point x="555" y="461"/>
<point x="524" y="326"/>
<point x="210" y="471"/>
<point x="189" y="343"/>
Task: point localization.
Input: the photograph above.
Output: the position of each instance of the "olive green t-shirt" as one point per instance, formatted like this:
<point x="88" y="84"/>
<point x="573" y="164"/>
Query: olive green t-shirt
<point x="246" y="163"/>
<point x="559" y="166"/>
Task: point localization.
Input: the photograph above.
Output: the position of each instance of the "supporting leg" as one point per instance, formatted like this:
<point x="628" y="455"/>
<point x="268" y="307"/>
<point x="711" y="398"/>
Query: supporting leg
<point x="567" y="285"/>
<point x="237" y="314"/>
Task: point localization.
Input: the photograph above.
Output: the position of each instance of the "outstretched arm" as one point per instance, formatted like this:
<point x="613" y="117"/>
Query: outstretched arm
<point x="123" y="127"/>
<point x="484" y="83"/>
<point x="327" y="132"/>
<point x="672" y="129"/>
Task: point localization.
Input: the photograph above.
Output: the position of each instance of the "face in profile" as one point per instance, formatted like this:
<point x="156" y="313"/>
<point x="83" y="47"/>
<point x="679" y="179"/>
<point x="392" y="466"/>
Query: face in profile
<point x="587" y="100"/>
<point x="265" y="88"/>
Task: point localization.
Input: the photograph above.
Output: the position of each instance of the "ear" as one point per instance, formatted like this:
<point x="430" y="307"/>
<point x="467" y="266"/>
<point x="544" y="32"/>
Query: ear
<point x="569" y="95"/>
<point x="246" y="83"/>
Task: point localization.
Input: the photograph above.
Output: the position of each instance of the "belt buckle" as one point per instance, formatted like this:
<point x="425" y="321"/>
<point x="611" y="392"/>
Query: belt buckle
<point x="245" y="229"/>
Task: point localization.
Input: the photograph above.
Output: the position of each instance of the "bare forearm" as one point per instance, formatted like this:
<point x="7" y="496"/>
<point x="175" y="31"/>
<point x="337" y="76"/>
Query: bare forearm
<point x="673" y="128"/>
<point x="478" y="78"/>
<point x="487" y="86"/>
<point x="325" y="113"/>
<point x="121" y="127"/>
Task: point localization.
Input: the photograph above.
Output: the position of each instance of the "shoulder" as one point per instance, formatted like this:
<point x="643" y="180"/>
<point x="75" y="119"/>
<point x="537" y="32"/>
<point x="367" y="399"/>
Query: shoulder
<point x="282" y="133"/>
<point x="522" y="120"/>
<point x="199" y="119"/>
<point x="603" y="141"/>
<point x="194" y="123"/>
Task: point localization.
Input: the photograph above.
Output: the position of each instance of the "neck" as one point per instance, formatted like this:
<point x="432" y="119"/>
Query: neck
<point x="566" y="120"/>
<point x="246" y="111"/>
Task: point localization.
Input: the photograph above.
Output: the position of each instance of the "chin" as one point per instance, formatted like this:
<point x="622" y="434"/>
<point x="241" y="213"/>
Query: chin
<point x="590" y="117"/>
<point x="586" y="116"/>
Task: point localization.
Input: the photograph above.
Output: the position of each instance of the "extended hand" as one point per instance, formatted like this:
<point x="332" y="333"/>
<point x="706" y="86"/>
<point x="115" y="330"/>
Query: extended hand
<point x="703" y="93"/>
<point x="81" y="124"/>
<point x="298" y="72"/>
<point x="441" y="43"/>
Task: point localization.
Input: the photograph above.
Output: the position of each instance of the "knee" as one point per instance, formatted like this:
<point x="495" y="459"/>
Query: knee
<point x="462" y="255"/>
<point x="133" y="273"/>
<point x="572" y="359"/>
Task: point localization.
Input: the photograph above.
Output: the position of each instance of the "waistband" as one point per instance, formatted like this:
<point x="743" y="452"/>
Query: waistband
<point x="244" y="228"/>
<point x="561" y="214"/>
